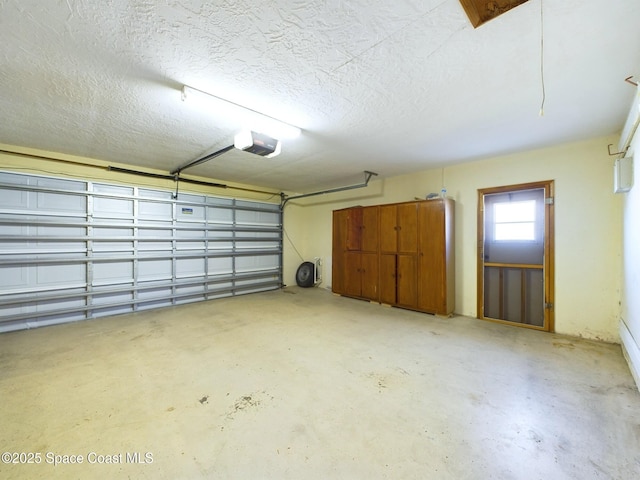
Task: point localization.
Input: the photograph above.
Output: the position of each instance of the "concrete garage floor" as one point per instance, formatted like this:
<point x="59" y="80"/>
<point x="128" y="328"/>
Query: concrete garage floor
<point x="299" y="383"/>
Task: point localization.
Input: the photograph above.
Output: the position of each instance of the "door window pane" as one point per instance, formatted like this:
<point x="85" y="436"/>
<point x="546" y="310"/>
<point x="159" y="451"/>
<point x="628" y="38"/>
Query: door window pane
<point x="514" y="220"/>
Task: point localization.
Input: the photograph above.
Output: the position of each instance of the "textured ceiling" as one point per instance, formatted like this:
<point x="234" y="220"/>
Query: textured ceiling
<point x="392" y="86"/>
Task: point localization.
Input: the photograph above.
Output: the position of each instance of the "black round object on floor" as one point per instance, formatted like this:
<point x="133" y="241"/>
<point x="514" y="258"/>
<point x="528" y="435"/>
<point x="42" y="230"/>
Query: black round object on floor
<point x="304" y="275"/>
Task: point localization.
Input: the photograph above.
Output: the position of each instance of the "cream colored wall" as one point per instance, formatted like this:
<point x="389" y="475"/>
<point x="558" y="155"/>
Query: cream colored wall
<point x="588" y="226"/>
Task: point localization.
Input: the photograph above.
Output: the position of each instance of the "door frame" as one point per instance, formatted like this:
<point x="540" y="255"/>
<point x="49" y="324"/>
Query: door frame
<point x="549" y="252"/>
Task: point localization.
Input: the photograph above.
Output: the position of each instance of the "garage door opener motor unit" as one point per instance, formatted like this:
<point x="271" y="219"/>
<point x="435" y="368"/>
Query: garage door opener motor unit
<point x="309" y="274"/>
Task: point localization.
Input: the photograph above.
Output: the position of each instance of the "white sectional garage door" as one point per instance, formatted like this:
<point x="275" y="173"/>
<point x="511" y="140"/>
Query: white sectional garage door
<point x="72" y="250"/>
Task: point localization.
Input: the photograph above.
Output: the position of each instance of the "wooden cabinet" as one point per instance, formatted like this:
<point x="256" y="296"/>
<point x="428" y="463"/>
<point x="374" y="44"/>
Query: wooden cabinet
<point x="388" y="279"/>
<point x="436" y="287"/>
<point x="388" y="229"/>
<point x="399" y="228"/>
<point x="362" y="229"/>
<point x="407" y="281"/>
<point x="399" y="250"/>
<point x="361" y="275"/>
<point x="339" y="251"/>
<point x="398" y="254"/>
<point x="355" y="252"/>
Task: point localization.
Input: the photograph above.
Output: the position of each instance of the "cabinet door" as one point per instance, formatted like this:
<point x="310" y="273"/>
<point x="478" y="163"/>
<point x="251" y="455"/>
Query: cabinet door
<point x="388" y="279"/>
<point x="432" y="257"/>
<point x="339" y="246"/>
<point x="407" y="280"/>
<point x="369" y="275"/>
<point x="388" y="229"/>
<point x="407" y="219"/>
<point x="353" y="275"/>
<point x="354" y="228"/>
<point x="369" y="229"/>
<point x="361" y="275"/>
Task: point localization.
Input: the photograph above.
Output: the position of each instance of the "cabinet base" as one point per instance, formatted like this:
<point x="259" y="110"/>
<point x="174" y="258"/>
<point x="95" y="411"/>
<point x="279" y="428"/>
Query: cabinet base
<point x="388" y="305"/>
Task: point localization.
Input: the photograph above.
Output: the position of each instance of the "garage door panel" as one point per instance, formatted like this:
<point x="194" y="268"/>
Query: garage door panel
<point x="102" y="244"/>
<point x="16" y="178"/>
<point x="150" y="210"/>
<point x="58" y="184"/>
<point x="15" y="231"/>
<point x="156" y="269"/>
<point x="164" y="302"/>
<point x="59" y="274"/>
<point x="58" y="231"/>
<point x="112" y="272"/>
<point x="154" y="210"/>
<point x="248" y="264"/>
<point x="220" y="265"/>
<point x="112" y="208"/>
<point x="47" y="320"/>
<point x="149" y="293"/>
<point x="61" y="304"/>
<point x="54" y="202"/>
<point x="190" y="267"/>
<point x="17" y="310"/>
<point x="14" y="199"/>
<point x="109" y="311"/>
<point x="58" y="239"/>
<point x="94" y="249"/>
<point x="189" y="239"/>
<point x="151" y="239"/>
<point x="106" y="206"/>
<point x="220" y="215"/>
<point x="193" y="211"/>
<point x="191" y="293"/>
<point x="107" y="299"/>
<point x="15" y="278"/>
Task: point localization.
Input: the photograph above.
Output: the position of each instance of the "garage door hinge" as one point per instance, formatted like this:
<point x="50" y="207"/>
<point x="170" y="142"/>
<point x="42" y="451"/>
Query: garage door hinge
<point x="548" y="200"/>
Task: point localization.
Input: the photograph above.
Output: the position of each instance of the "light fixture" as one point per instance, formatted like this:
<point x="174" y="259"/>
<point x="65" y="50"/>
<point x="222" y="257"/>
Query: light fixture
<point x="250" y="119"/>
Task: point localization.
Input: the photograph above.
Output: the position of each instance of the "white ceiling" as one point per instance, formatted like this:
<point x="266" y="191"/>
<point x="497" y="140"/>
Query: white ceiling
<point x="391" y="86"/>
